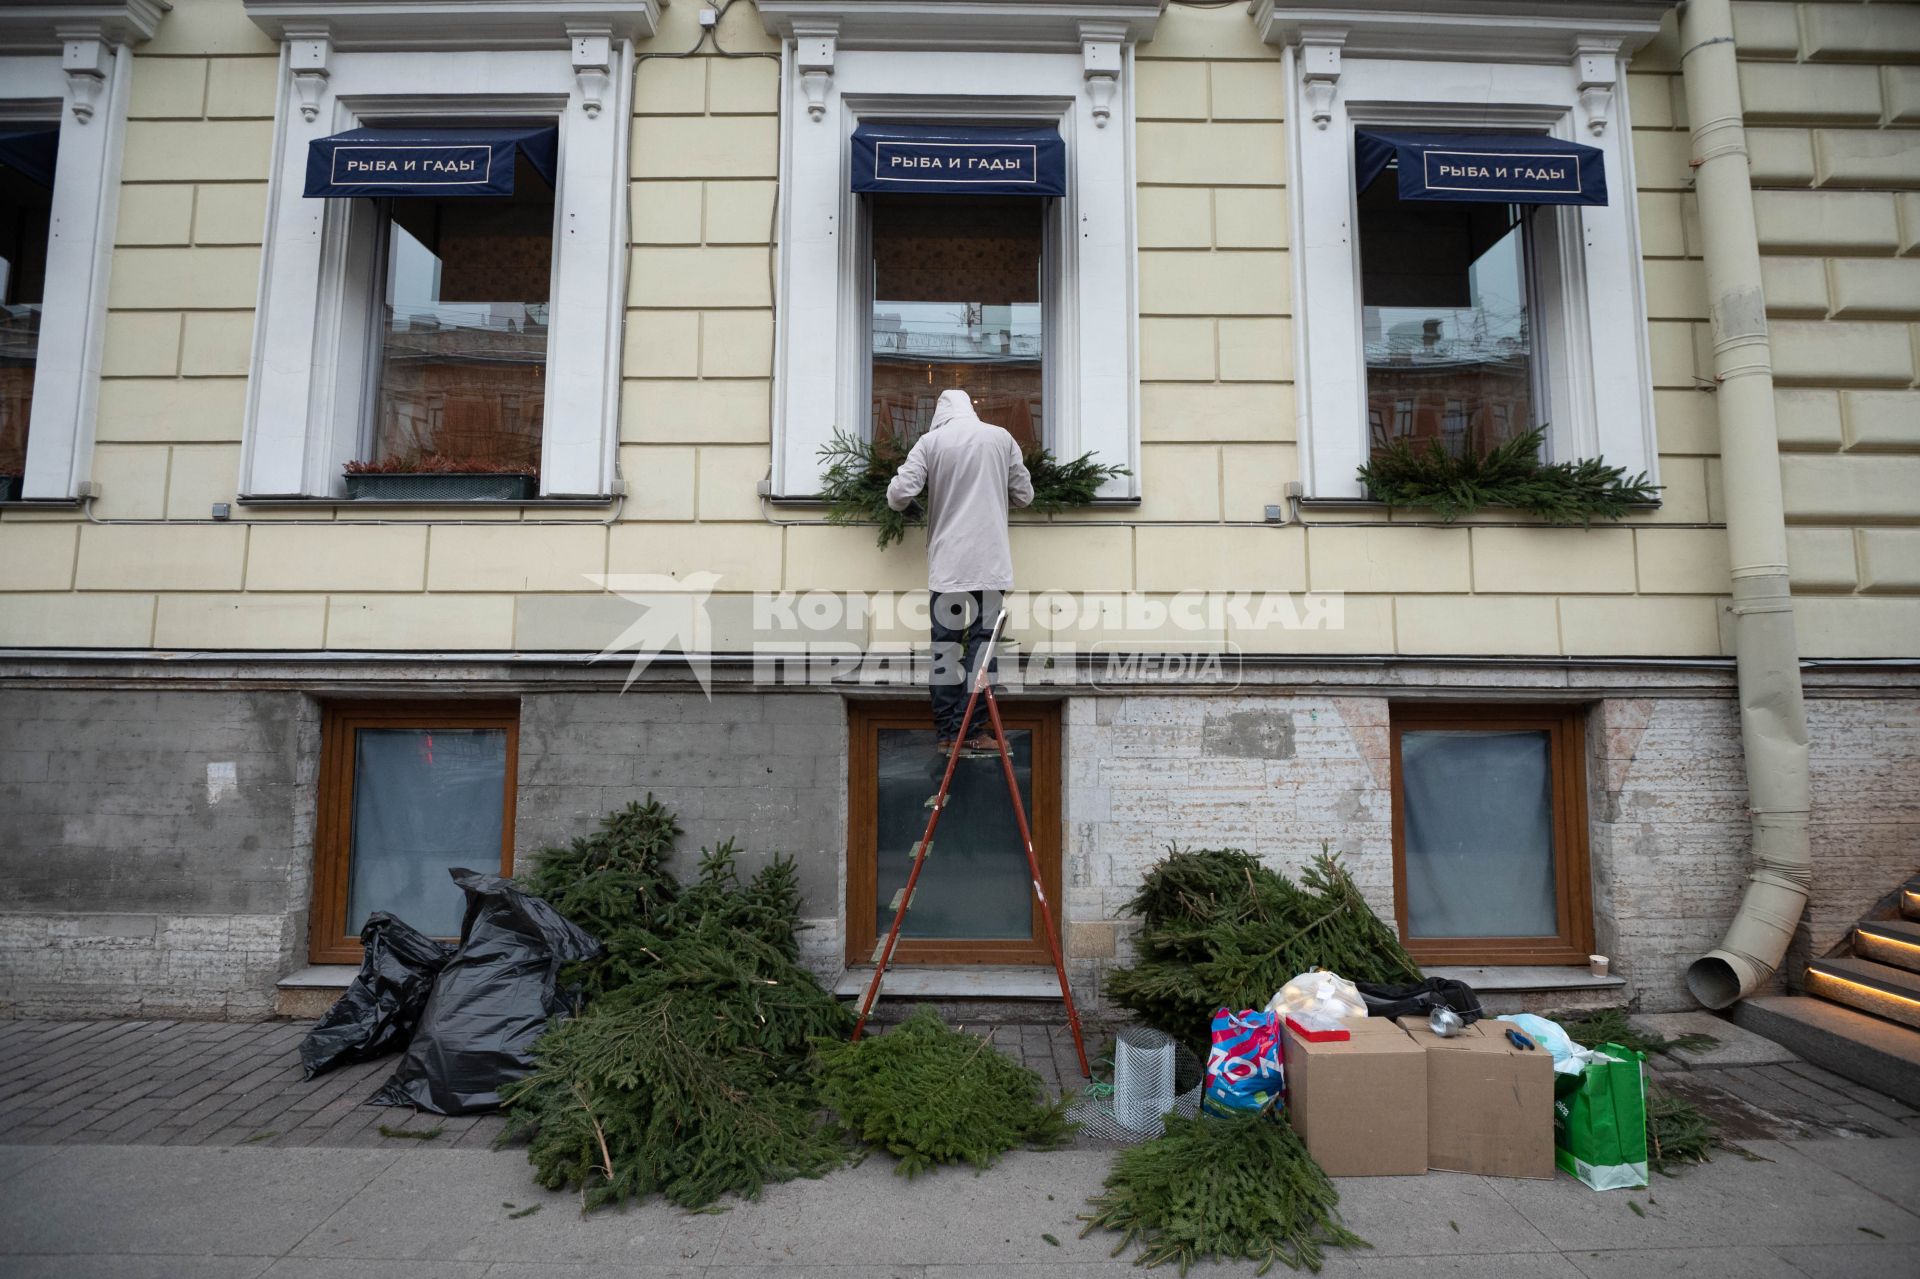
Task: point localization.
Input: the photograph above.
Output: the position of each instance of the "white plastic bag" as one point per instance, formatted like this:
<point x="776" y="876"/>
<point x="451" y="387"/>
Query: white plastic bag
<point x="1319" y="1000"/>
<point x="1569" y="1058"/>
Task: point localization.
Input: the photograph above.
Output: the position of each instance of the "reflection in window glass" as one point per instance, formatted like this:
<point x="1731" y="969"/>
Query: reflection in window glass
<point x="425" y="801"/>
<point x="957" y="303"/>
<point x="1478" y="818"/>
<point x="25" y="209"/>
<point x="975" y="884"/>
<point x="1444" y="309"/>
<point x="463" y="361"/>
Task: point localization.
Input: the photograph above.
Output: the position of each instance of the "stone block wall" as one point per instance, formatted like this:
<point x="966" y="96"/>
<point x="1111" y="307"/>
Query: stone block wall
<point x="157" y="849"/>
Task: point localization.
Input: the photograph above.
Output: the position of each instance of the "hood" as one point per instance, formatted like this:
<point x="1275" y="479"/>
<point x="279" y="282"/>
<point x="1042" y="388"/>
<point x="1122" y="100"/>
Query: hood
<point x="954" y="406"/>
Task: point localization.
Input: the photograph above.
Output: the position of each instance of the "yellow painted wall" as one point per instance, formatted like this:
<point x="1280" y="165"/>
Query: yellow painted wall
<point x="1218" y="411"/>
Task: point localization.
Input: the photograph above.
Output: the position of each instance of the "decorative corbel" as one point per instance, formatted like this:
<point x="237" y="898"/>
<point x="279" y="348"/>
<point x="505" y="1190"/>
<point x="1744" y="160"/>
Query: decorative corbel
<point x="1100" y="44"/>
<point x="1596" y="69"/>
<point x="592" y="64"/>
<point x="307" y="55"/>
<point x="86" y="57"/>
<point x="1320" y="70"/>
<point x="814" y="47"/>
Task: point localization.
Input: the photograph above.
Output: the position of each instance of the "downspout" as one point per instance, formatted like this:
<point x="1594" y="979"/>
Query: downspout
<point x="1773" y="720"/>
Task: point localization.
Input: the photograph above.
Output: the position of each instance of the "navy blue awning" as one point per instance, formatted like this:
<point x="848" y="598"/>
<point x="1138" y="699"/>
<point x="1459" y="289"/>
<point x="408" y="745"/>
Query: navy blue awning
<point x="1488" y="168"/>
<point x="31" y="152"/>
<point x="958" y="159"/>
<point x="428" y="161"/>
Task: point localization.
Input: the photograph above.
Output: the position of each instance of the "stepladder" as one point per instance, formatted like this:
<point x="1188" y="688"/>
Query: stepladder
<point x="981" y="700"/>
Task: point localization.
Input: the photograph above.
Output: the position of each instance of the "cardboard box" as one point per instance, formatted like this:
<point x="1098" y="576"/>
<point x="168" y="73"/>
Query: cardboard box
<point x="1360" y="1104"/>
<point x="1489" y="1104"/>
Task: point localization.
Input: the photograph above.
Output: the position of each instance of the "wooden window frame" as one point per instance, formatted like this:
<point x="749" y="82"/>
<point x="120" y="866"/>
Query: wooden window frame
<point x="1573" y="894"/>
<point x="328" y="939"/>
<point x="865" y="720"/>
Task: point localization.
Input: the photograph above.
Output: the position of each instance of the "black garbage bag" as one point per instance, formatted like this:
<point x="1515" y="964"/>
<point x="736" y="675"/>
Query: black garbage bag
<point x="1421" y="998"/>
<point x="490" y="1003"/>
<point x="380" y="1009"/>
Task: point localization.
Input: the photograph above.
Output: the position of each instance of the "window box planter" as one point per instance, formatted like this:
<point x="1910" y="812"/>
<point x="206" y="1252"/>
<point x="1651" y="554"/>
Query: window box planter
<point x="440" y="487"/>
<point x="9" y="488"/>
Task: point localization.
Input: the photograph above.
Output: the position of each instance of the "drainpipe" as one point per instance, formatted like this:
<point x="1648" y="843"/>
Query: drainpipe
<point x="1773" y="720"/>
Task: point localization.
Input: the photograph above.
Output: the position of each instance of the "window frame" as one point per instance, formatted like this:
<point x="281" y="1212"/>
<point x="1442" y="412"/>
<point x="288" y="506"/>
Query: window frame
<point x="865" y="719"/>
<point x="312" y="368"/>
<point x="328" y="942"/>
<point x="49" y="88"/>
<point x="1584" y="262"/>
<point x="822" y="344"/>
<point x="1573" y="890"/>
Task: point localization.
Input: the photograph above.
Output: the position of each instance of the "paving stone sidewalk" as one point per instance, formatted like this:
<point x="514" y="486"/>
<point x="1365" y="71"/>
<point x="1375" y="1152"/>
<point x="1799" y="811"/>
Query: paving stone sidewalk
<point x="187" y="1083"/>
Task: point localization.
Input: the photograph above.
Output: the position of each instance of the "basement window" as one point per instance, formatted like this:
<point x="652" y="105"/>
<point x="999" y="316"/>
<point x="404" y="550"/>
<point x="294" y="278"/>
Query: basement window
<point x="974" y="902"/>
<point x="408" y="792"/>
<point x="1489" y="835"/>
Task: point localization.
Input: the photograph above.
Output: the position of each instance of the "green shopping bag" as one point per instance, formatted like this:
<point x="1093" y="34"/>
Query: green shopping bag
<point x="1600" y="1121"/>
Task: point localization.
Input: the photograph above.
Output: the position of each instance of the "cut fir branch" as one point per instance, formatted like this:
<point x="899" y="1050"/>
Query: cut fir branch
<point x="1510" y="475"/>
<point x="858" y="472"/>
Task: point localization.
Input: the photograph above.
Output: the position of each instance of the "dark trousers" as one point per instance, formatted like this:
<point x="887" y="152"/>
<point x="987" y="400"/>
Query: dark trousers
<point x="961" y="622"/>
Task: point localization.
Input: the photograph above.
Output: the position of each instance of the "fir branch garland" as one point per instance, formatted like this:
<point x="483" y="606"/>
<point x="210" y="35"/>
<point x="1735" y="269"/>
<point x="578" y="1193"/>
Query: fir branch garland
<point x="1508" y="475"/>
<point x="858" y="471"/>
<point x="1239" y="1187"/>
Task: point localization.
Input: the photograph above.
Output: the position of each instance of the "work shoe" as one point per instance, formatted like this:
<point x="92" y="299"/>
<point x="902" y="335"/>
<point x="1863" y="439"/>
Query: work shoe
<point x="943" y="746"/>
<point x="983" y="742"/>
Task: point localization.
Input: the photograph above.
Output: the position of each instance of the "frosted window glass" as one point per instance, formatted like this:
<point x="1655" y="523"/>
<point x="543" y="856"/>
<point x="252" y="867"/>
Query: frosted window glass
<point x="424" y="801"/>
<point x="975" y="884"/>
<point x="1478" y="809"/>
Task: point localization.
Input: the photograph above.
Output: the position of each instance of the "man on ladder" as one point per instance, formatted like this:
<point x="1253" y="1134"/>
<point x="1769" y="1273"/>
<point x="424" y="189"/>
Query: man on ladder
<point x="971" y="471"/>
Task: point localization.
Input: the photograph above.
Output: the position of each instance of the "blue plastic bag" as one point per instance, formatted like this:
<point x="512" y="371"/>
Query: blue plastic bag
<point x="1245" y="1065"/>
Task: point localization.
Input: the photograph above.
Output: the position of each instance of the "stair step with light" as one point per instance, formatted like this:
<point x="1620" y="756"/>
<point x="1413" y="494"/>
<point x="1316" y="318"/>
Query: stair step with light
<point x="1910" y="898"/>
<point x="1867" y="1050"/>
<point x="1879" y="989"/>
<point x="1893" y="942"/>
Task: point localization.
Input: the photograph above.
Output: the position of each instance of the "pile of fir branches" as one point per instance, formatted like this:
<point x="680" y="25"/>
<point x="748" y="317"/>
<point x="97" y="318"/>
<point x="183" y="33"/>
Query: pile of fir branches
<point x="687" y="1072"/>
<point x="1240" y="1188"/>
<point x="1222" y="930"/>
<point x="931" y="1095"/>
<point x="1679" y="1133"/>
<point x="858" y="472"/>
<point x="1508" y="475"/>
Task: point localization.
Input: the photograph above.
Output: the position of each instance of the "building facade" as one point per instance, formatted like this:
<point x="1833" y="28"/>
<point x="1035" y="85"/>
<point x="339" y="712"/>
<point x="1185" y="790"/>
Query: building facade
<point x="242" y="704"/>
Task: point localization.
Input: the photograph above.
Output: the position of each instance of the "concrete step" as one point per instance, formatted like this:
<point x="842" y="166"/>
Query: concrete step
<point x="308" y="992"/>
<point x="1883" y="991"/>
<point x="1893" y="942"/>
<point x="1867" y="1050"/>
<point x="1910" y="898"/>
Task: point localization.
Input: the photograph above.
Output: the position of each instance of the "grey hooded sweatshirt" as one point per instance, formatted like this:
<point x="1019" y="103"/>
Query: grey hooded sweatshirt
<point x="971" y="471"/>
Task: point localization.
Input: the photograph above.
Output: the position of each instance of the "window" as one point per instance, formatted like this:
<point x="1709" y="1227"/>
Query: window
<point x="463" y="328"/>
<point x="1489" y="835"/>
<point x="26" y="205"/>
<point x="1445" y="311"/>
<point x="1527" y="314"/>
<point x="65" y="76"/>
<point x="470" y="332"/>
<point x="408" y="791"/>
<point x="958" y="302"/>
<point x="1045" y="317"/>
<point x="974" y="902"/>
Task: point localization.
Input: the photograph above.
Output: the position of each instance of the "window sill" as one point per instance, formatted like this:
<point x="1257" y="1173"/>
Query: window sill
<point x="960" y="981"/>
<point x="1371" y="504"/>
<point x="413" y="504"/>
<point x="815" y="500"/>
<point x="1503" y="978"/>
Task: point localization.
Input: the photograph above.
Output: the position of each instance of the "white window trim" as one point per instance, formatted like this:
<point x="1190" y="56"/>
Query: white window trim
<point x="312" y="355"/>
<point x="1073" y="73"/>
<point x="72" y="65"/>
<point x="1585" y="265"/>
